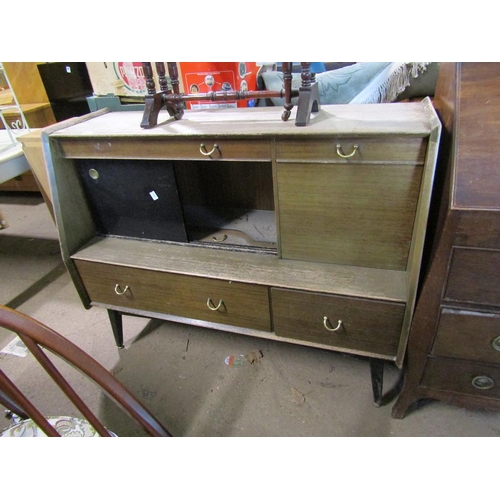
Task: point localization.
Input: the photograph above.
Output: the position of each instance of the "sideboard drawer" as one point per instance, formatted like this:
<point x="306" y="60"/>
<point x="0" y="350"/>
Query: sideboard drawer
<point x="205" y="299"/>
<point x="473" y="276"/>
<point x="351" y="149"/>
<point x="461" y="376"/>
<point x="358" y="324"/>
<point x="468" y="335"/>
<point x="173" y="149"/>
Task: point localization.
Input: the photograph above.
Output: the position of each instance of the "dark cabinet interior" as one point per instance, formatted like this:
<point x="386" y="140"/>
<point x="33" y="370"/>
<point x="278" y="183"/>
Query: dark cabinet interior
<point x="223" y="204"/>
<point x="131" y="198"/>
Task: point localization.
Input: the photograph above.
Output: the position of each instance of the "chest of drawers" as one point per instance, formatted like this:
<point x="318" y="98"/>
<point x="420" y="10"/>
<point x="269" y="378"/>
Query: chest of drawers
<point x="238" y="221"/>
<point x="453" y="352"/>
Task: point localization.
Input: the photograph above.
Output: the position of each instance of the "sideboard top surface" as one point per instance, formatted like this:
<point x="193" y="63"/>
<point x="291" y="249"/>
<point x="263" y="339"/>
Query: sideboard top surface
<point x="351" y="119"/>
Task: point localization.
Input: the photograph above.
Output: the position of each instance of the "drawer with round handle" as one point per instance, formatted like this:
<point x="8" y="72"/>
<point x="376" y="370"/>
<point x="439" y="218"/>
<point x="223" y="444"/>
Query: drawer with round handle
<point x="462" y="376"/>
<point x="469" y="335"/>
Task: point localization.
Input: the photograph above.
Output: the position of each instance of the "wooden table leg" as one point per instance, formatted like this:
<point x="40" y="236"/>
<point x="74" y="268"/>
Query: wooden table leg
<point x="115" y="318"/>
<point x="308" y="97"/>
<point x="153" y="102"/>
<point x="377" y="373"/>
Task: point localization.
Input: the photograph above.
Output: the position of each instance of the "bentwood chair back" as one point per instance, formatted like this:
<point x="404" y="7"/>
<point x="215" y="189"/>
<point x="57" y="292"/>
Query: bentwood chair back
<point x="38" y="337"/>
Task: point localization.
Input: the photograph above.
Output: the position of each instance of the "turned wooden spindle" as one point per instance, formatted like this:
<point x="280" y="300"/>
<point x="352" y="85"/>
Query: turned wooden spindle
<point x="287" y="84"/>
<point x="308" y="96"/>
<point x="173" y="101"/>
<point x="306" y="75"/>
<point x="162" y="79"/>
<point x="174" y="76"/>
<point x="148" y="73"/>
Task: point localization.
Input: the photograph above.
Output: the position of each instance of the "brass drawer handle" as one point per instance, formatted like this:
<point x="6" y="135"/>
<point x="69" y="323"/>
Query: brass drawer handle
<point x="119" y="291"/>
<point x="326" y="324"/>
<point x="339" y="147"/>
<point x="211" y="305"/>
<point x="220" y="240"/>
<point x="482" y="382"/>
<point x="496" y="344"/>
<point x="204" y="152"/>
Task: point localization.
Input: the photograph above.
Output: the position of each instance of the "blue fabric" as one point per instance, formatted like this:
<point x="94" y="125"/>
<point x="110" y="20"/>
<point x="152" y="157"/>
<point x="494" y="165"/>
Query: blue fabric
<point x="338" y="86"/>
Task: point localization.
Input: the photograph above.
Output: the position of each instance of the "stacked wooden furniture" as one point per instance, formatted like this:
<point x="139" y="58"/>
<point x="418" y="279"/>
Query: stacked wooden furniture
<point x="30" y="93"/>
<point x="454" y="347"/>
<point x="238" y="221"/>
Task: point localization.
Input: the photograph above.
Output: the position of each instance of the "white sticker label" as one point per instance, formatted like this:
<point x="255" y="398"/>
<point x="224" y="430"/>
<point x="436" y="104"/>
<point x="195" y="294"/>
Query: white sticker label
<point x="153" y="195"/>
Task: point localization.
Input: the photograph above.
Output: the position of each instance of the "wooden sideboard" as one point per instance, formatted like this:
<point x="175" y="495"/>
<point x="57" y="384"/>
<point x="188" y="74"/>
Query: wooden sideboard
<point x="454" y="345"/>
<point x="234" y="220"/>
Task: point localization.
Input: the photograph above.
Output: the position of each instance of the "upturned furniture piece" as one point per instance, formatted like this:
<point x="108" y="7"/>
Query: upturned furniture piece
<point x="454" y="345"/>
<point x="238" y="221"/>
<point x="173" y="100"/>
<point x="40" y="340"/>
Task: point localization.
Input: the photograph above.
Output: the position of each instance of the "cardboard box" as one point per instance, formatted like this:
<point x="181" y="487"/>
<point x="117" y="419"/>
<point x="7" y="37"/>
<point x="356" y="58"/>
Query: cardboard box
<point x="124" y="79"/>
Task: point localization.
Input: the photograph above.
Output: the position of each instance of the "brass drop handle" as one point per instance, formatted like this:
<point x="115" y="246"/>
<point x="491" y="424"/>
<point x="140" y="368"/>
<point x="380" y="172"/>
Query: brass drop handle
<point x="339" y="147"/>
<point x="119" y="291"/>
<point x="482" y="382"/>
<point x="204" y="152"/>
<point x="496" y="343"/>
<point x="220" y="240"/>
<point x="213" y="307"/>
<point x="326" y="324"/>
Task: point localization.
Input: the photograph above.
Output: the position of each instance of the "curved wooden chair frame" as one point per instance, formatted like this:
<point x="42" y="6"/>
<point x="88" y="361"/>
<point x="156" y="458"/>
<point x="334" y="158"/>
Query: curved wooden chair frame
<point x="36" y="335"/>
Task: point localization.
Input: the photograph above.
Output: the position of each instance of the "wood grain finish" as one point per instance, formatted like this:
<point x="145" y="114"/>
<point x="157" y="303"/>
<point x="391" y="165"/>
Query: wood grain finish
<point x="244" y="305"/>
<point x="26" y="82"/>
<point x="477" y="173"/>
<point x="257" y="268"/>
<point x="458" y="376"/>
<point x="403" y="119"/>
<point x="171" y="148"/>
<point x="246" y="185"/>
<point x="375" y="149"/>
<point x="37" y="115"/>
<point x="474" y="276"/>
<point x="33" y="150"/>
<point x="349" y="229"/>
<point x="367" y="326"/>
<point x="457" y="315"/>
<point x="360" y="215"/>
<point x="468" y="335"/>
